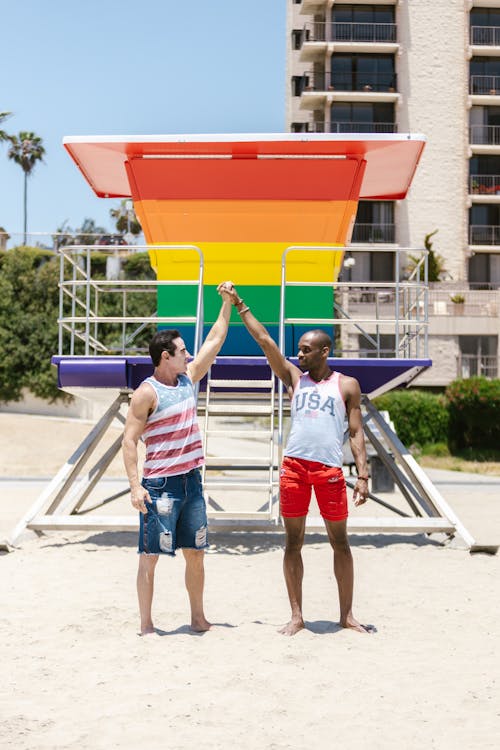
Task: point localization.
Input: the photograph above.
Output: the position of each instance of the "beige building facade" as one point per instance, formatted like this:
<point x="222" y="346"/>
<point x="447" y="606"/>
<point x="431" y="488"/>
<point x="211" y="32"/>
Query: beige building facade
<point x="430" y="67"/>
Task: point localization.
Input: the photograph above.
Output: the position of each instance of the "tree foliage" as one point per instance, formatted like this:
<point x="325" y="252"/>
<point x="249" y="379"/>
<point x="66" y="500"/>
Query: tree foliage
<point x="125" y="219"/>
<point x="435" y="262"/>
<point x="29" y="298"/>
<point x="29" y="308"/>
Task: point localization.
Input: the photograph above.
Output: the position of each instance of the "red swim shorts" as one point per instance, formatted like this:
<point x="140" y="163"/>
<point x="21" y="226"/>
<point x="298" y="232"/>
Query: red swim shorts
<point x="297" y="478"/>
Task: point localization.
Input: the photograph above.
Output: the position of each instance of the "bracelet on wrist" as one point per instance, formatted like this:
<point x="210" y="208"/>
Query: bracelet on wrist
<point x="238" y="302"/>
<point x="365" y="478"/>
<point x="243" y="310"/>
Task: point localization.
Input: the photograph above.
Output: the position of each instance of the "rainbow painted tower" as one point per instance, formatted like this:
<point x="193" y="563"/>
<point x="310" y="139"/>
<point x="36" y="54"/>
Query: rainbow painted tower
<point x="243" y="199"/>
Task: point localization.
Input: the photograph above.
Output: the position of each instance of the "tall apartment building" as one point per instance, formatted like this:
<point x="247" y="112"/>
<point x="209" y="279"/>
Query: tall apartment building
<point x="417" y="66"/>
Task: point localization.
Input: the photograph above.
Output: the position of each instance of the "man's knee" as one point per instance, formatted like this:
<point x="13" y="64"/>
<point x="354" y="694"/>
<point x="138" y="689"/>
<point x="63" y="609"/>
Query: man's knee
<point x="194" y="557"/>
<point x="147" y="563"/>
<point x="294" y="541"/>
<point x="339" y="540"/>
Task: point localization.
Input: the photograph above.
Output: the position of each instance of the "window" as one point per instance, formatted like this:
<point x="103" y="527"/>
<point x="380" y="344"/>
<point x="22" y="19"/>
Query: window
<point x="484" y="75"/>
<point x="484" y="175"/>
<point x="363" y="72"/>
<point x="484" y="271"/>
<point x="374" y="223"/>
<point x="485" y="125"/>
<point x="485" y="27"/>
<point x="478" y="356"/>
<point x="296" y="39"/>
<point x="363" y="23"/>
<point x="297" y="85"/>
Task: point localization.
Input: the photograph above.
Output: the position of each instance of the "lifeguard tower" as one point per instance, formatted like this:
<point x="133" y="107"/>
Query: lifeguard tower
<point x="273" y="213"/>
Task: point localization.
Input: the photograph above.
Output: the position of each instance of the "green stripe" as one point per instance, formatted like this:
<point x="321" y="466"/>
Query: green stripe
<point x="305" y="302"/>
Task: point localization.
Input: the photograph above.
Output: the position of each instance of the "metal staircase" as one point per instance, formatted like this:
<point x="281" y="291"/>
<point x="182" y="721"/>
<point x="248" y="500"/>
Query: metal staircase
<point x="240" y="468"/>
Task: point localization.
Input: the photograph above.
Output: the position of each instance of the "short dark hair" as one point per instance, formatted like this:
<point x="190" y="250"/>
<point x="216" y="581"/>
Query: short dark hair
<point x="322" y="338"/>
<point x="163" y="341"/>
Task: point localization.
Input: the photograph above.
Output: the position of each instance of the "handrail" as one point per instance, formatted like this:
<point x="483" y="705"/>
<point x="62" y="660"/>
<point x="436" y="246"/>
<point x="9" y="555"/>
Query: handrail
<point x="81" y="279"/>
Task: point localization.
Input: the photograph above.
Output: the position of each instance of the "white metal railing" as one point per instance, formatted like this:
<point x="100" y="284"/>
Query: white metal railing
<point x="485" y="135"/>
<point x="484" y="84"/>
<point x="328" y="31"/>
<point x="82" y="317"/>
<point x="484" y="184"/>
<point x="454" y="299"/>
<point x="485" y="35"/>
<point x="484" y="234"/>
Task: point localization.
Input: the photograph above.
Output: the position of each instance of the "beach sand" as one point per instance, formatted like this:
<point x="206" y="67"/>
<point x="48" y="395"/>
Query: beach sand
<point x="75" y="674"/>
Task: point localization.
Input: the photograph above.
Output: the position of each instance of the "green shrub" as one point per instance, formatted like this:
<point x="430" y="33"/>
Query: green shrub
<point x="29" y="308"/>
<point x="474" y="408"/>
<point x="419" y="418"/>
<point x="29" y="300"/>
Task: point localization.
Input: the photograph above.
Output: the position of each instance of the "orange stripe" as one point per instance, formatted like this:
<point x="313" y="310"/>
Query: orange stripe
<point x="289" y="222"/>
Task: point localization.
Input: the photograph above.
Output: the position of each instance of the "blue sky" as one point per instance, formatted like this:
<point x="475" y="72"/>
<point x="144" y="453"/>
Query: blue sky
<point x="143" y="67"/>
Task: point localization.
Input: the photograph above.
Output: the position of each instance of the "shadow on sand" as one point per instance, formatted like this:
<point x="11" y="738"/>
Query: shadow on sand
<point x="250" y="543"/>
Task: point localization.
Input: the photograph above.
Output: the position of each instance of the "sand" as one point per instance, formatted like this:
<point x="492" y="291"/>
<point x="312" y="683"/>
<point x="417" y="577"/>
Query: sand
<point x="76" y="675"/>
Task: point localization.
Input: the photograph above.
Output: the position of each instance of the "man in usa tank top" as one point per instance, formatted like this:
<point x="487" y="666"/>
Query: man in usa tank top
<point x="170" y="497"/>
<point x="321" y="401"/>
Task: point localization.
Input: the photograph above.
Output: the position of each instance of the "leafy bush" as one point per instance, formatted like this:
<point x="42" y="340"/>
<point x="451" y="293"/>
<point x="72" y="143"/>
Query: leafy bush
<point x="419" y="418"/>
<point x="29" y="308"/>
<point x="474" y="408"/>
<point x="29" y="299"/>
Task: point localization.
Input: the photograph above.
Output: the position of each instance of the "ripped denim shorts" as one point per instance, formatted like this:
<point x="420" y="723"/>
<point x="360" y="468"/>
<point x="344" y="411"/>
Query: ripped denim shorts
<point x="176" y="516"/>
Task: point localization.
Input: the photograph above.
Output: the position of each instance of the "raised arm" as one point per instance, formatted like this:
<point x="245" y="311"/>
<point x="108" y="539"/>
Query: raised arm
<point x="215" y="337"/>
<point x="351" y="393"/>
<point x="283" y="369"/>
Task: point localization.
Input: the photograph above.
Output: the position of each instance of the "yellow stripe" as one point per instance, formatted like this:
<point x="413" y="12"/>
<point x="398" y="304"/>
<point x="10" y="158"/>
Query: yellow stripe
<point x="252" y="263"/>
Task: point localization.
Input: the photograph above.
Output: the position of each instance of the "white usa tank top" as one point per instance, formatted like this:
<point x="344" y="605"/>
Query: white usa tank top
<point x="318" y="421"/>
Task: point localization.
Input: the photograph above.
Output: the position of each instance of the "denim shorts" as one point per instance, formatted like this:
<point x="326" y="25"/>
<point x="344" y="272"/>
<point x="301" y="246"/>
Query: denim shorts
<point x="176" y="516"/>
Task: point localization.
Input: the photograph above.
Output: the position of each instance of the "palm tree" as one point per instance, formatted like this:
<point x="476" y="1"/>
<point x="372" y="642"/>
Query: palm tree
<point x="3" y="116"/>
<point x="26" y="149"/>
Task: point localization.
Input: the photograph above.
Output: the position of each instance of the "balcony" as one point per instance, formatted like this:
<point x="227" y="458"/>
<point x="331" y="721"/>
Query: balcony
<point x="320" y="37"/>
<point x="323" y="81"/>
<point x="484" y="85"/>
<point x="485" y="135"/>
<point x="484" y="184"/>
<point x="374" y="233"/>
<point x="484" y="234"/>
<point x="321" y="31"/>
<point x="352" y="127"/>
<point x="485" y="36"/>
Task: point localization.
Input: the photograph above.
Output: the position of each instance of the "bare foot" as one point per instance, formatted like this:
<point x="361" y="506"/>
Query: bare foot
<point x="353" y="624"/>
<point x="149" y="630"/>
<point x="292" y="627"/>
<point x="201" y="625"/>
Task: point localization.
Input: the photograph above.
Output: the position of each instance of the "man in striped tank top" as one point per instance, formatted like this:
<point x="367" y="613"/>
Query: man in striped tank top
<point x="170" y="497"/>
<point x="321" y="401"/>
